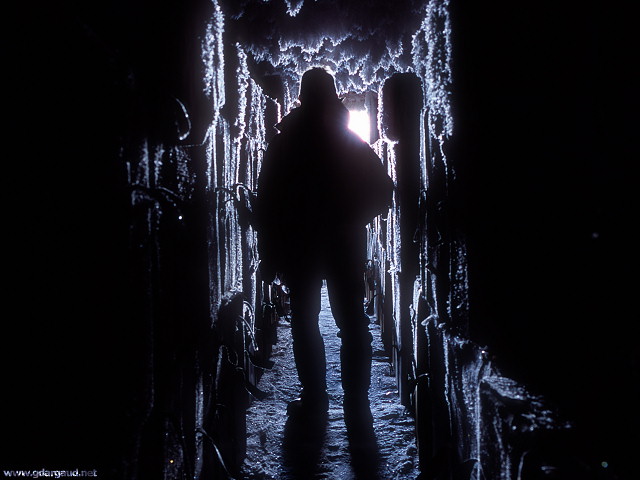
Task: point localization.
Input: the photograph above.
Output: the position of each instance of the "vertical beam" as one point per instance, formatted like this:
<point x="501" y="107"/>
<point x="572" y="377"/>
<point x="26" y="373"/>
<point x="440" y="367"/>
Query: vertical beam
<point x="400" y="121"/>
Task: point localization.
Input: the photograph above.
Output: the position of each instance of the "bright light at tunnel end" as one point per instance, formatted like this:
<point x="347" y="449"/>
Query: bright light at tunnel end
<point x="359" y="123"/>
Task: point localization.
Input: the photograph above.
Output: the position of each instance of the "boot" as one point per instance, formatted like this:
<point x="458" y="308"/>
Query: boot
<point x="355" y="359"/>
<point x="309" y="403"/>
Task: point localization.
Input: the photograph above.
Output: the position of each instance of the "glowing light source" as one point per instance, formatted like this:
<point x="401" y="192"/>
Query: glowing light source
<point x="360" y="124"/>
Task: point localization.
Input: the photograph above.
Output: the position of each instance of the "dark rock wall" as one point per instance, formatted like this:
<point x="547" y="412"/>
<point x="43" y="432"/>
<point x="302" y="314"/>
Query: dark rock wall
<point x="523" y="200"/>
<point x="543" y="104"/>
<point x="132" y="267"/>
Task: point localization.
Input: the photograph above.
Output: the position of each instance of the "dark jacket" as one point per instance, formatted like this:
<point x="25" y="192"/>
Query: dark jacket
<point x="319" y="184"/>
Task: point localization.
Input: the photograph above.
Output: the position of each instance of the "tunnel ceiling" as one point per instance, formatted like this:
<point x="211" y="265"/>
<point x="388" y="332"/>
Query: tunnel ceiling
<point x="362" y="42"/>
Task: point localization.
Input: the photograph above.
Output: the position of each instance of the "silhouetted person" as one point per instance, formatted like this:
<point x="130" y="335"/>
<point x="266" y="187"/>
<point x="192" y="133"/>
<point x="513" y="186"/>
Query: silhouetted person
<point x="319" y="186"/>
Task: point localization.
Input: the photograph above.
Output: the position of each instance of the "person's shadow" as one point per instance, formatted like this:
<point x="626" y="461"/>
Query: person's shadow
<point x="302" y="446"/>
<point x="363" y="446"/>
<point x="304" y="442"/>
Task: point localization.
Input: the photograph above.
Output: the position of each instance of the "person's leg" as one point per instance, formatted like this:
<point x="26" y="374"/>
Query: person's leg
<point x="308" y="344"/>
<point x="346" y="295"/>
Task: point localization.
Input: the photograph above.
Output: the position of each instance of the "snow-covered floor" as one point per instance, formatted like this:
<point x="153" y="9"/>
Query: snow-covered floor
<point x="320" y="450"/>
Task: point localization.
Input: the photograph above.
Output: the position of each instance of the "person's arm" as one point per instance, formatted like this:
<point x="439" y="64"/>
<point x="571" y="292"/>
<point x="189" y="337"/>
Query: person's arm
<point x="266" y="209"/>
<point x="376" y="187"/>
<point x="265" y="201"/>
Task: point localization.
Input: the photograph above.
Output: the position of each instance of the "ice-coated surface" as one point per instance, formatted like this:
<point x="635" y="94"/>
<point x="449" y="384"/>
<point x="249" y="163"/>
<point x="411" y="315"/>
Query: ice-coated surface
<point x="364" y="47"/>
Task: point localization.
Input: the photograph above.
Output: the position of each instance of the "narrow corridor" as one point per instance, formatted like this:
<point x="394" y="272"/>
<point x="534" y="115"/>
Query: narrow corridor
<point x="503" y="271"/>
<point x="275" y="450"/>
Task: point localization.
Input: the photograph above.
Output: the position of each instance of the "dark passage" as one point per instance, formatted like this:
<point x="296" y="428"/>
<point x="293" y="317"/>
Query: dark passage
<point x="138" y="331"/>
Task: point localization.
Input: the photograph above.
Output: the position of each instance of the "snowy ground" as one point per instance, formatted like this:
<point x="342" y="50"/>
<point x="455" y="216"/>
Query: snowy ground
<point x="277" y="450"/>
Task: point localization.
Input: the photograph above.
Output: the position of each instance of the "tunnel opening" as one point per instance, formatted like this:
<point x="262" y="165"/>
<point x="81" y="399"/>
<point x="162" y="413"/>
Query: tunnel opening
<point x="363" y="114"/>
<point x="360" y="123"/>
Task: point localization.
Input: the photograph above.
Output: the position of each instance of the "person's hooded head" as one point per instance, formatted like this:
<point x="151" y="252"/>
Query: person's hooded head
<point x="317" y="88"/>
<point x="319" y="98"/>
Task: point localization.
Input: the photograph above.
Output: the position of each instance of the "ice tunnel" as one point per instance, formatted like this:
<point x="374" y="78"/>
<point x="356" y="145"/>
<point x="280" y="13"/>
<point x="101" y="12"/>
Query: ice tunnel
<point x="139" y="332"/>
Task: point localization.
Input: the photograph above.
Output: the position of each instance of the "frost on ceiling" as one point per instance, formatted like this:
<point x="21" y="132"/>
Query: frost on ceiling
<point x="363" y="42"/>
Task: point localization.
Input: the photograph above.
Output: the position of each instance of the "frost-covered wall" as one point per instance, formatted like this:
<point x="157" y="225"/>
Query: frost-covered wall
<point x="127" y="211"/>
<point x="472" y="421"/>
<point x="183" y="139"/>
<point x="235" y="142"/>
